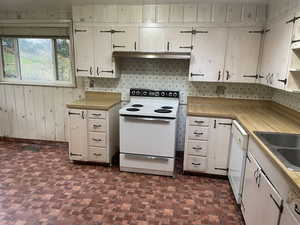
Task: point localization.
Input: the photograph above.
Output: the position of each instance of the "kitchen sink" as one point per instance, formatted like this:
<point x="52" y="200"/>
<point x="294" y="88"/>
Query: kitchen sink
<point x="285" y="146"/>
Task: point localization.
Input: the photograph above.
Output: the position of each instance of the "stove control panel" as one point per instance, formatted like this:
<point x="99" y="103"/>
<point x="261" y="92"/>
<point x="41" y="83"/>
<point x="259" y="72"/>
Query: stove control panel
<point x="153" y="93"/>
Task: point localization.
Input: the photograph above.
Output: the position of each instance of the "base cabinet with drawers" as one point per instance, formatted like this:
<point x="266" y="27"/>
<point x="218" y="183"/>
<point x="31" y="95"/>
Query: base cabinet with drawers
<point x="207" y="145"/>
<point x="93" y="134"/>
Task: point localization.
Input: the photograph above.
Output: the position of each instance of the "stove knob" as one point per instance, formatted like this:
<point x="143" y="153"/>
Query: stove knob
<point x="138" y="93"/>
<point x="144" y="93"/>
<point x="170" y="94"/>
<point x="162" y="94"/>
<point x="157" y="94"/>
<point x="133" y="93"/>
<point x="175" y="94"/>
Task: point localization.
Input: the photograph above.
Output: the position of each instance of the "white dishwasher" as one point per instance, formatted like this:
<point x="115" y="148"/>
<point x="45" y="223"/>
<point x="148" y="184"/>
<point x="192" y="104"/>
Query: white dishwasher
<point x="237" y="159"/>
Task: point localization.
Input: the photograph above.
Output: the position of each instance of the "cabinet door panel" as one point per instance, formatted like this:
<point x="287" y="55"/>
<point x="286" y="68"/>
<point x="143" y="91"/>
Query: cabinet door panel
<point x="208" y="54"/>
<point x="77" y="134"/>
<point x="162" y="13"/>
<point x="177" y="41"/>
<point x="84" y="58"/>
<point x="242" y="55"/>
<point x="266" y="69"/>
<point x="152" y="39"/>
<point x="127" y="40"/>
<point x="103" y="52"/>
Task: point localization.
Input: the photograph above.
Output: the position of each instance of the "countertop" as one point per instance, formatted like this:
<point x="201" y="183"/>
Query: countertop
<point x="97" y="101"/>
<point x="254" y="115"/>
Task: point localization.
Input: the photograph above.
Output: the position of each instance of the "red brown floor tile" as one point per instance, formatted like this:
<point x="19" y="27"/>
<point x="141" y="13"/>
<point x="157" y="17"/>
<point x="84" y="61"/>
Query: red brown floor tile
<point x="39" y="185"/>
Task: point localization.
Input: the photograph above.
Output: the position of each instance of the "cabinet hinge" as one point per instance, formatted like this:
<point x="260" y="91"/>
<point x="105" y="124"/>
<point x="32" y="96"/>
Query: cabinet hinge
<point x="222" y="169"/>
<point x="194" y="31"/>
<point x="293" y="20"/>
<point x="256" y="31"/>
<point x="295" y="41"/>
<point x="77" y="30"/>
<point x="283" y="81"/>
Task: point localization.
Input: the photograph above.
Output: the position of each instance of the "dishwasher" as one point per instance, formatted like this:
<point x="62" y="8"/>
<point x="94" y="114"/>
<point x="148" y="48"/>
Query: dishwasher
<point x="237" y="159"/>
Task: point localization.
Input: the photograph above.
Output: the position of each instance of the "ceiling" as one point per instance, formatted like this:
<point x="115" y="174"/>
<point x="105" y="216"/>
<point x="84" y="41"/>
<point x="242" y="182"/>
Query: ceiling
<point x="19" y="5"/>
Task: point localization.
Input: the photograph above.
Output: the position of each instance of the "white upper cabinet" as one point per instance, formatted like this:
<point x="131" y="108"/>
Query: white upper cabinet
<point x="205" y="12"/>
<point x="162" y="13"/>
<point x="219" y="12"/>
<point x="103" y="52"/>
<point x="242" y="55"/>
<point x="84" y="50"/>
<point x="189" y="13"/>
<point x="208" y="54"/>
<point x="234" y="12"/>
<point x="152" y="39"/>
<point x="176" y="13"/>
<point x="177" y="40"/>
<point x="125" y="38"/>
<point x="149" y="12"/>
<point x="129" y="13"/>
<point x="83" y="13"/>
<point x="106" y="13"/>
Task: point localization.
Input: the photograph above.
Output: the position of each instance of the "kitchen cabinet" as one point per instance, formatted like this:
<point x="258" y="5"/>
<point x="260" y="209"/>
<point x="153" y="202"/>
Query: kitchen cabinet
<point x="288" y="217"/>
<point x="275" y="60"/>
<point x="242" y="55"/>
<point x="259" y="197"/>
<point x="93" y="134"/>
<point x="162" y="13"/>
<point x="208" y="54"/>
<point x="83" y="13"/>
<point x="77" y="134"/>
<point x="84" y="49"/>
<point x="130" y="13"/>
<point x="127" y="39"/>
<point x="162" y="39"/>
<point x="202" y="152"/>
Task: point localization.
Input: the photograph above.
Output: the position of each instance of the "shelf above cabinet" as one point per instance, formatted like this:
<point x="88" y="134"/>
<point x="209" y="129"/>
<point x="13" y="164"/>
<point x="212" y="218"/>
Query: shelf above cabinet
<point x="153" y="55"/>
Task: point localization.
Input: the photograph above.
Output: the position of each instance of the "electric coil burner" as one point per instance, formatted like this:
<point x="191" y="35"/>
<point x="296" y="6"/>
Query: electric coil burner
<point x="148" y="132"/>
<point x="162" y="111"/>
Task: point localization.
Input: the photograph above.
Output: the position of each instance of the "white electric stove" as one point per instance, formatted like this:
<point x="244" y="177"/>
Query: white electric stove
<point x="148" y="132"/>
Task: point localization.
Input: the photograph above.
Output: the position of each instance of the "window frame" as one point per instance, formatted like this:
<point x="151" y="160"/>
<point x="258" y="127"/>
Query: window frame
<point x="56" y="82"/>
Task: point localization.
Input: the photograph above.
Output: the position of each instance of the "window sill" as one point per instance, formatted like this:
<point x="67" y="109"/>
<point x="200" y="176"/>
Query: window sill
<point x="30" y="83"/>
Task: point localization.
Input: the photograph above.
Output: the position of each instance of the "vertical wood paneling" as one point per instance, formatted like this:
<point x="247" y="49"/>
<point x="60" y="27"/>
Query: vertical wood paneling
<point x="30" y="112"/>
<point x="59" y="114"/>
<point x="10" y="105"/>
<point x="49" y="104"/>
<point x="4" y="124"/>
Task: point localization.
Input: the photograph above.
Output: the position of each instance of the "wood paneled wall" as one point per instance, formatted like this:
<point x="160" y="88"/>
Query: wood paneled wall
<point x="34" y="112"/>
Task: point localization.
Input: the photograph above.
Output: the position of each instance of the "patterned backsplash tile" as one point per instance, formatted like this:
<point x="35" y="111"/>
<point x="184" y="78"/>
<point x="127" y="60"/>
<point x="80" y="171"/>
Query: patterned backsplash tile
<point x="173" y="75"/>
<point x="291" y="100"/>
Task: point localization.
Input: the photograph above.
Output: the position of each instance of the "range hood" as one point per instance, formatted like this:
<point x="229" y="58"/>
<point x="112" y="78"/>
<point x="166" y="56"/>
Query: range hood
<point x="153" y="55"/>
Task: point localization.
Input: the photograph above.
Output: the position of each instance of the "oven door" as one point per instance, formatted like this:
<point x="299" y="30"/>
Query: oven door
<point x="147" y="136"/>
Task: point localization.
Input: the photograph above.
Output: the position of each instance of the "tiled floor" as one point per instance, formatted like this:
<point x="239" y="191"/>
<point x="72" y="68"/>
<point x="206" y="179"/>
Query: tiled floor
<point x="40" y="186"/>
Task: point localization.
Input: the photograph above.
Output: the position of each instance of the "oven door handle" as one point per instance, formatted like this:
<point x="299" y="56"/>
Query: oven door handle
<point x="146" y="157"/>
<point x="148" y="119"/>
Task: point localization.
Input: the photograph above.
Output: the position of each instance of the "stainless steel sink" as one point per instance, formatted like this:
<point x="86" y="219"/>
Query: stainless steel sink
<point x="285" y="146"/>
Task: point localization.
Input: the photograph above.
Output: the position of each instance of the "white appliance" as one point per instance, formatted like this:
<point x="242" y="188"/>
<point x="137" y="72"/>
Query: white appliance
<point x="237" y="159"/>
<point x="148" y="132"/>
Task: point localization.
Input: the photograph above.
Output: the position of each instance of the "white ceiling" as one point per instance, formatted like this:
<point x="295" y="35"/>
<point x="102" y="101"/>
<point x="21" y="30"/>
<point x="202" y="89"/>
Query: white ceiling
<point x="19" y="5"/>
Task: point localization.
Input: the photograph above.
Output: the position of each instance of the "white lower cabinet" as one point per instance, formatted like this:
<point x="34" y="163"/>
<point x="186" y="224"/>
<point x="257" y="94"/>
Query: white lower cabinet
<point x="207" y="145"/>
<point x="93" y="134"/>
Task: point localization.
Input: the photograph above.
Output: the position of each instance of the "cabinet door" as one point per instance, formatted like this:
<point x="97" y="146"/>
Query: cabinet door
<point x="125" y="40"/>
<point x="83" y="13"/>
<point x="242" y="55"/>
<point x="288" y="218"/>
<point x="219" y="144"/>
<point x="176" y="41"/>
<point x="266" y="68"/>
<point x="152" y="39"/>
<point x="84" y="50"/>
<point x="250" y="194"/>
<point x="208" y="54"/>
<point x="103" y="52"/>
<point x="77" y="134"/>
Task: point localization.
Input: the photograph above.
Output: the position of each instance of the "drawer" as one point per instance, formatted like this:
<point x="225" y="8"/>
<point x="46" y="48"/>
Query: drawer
<point x="199" y="121"/>
<point x="97" y="125"/>
<point x="198" y="133"/>
<point x="96" y="114"/>
<point x="96" y="139"/>
<point x="197" y="148"/>
<point x="97" y="154"/>
<point x="196" y="163"/>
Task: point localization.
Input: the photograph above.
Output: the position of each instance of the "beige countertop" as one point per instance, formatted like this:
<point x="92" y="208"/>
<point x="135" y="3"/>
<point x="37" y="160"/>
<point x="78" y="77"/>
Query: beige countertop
<point x="254" y="115"/>
<point x="97" y="101"/>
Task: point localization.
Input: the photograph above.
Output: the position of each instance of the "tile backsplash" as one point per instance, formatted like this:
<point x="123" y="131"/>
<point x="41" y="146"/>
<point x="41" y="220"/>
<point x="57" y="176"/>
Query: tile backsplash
<point x="291" y="100"/>
<point x="173" y="75"/>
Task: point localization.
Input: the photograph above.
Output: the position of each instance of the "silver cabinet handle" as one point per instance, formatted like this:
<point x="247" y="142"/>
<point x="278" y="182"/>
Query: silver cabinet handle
<point x="196" y="164"/>
<point x="96" y="114"/>
<point x="95" y="139"/>
<point x="197" y="148"/>
<point x="198" y="121"/>
<point x="97" y="126"/>
<point x="97" y="154"/>
<point x="197" y="133"/>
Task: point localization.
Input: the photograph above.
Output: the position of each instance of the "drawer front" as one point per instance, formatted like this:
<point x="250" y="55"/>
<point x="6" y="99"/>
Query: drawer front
<point x="196" y="163"/>
<point x="97" y="139"/>
<point x="198" y="133"/>
<point x="97" y="125"/>
<point x="97" y="154"/>
<point x="199" y="121"/>
<point x="197" y="148"/>
<point x="96" y="114"/>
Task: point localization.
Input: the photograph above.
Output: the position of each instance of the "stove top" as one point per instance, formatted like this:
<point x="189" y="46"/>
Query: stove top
<point x="144" y="103"/>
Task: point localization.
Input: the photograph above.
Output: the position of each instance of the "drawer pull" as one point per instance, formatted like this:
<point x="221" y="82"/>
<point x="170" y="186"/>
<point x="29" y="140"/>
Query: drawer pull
<point x="96" y="154"/>
<point x="96" y="114"/>
<point x="73" y="154"/>
<point x="197" y="148"/>
<point x="97" y="126"/>
<point x="196" y="164"/>
<point x="199" y="121"/>
<point x="95" y="139"/>
<point x="196" y="133"/>
<point x="296" y="209"/>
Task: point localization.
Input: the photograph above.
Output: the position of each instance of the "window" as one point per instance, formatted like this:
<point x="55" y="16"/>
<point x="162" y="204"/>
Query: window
<point x="36" y="60"/>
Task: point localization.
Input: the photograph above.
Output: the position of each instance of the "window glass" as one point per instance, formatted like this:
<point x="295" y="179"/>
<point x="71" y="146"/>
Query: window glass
<point x="63" y="60"/>
<point x="10" y="57"/>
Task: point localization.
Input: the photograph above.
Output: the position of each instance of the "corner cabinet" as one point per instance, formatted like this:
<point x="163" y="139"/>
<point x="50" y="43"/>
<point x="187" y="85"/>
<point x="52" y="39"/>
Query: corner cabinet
<point x="93" y="134"/>
<point x="202" y="152"/>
